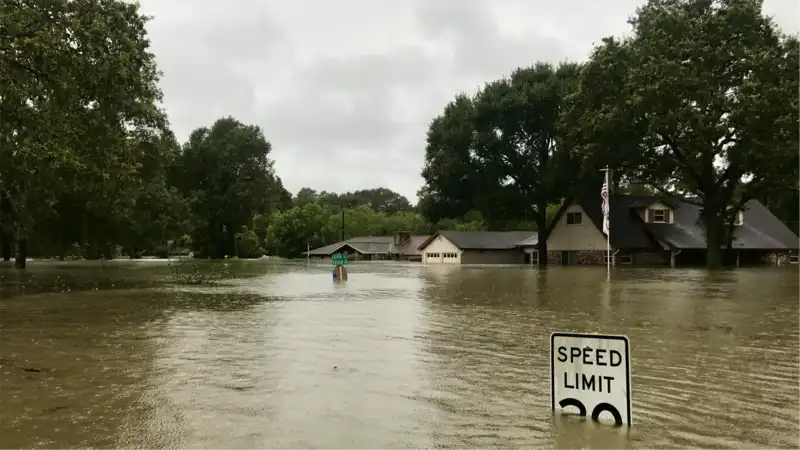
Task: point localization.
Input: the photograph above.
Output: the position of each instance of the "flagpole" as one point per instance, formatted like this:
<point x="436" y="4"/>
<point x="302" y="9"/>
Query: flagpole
<point x="608" y="224"/>
<point x="608" y="234"/>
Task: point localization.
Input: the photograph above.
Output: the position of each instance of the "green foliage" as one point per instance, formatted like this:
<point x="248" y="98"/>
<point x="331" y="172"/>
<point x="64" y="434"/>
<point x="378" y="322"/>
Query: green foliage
<point x="381" y="200"/>
<point x="226" y="172"/>
<point x="702" y="97"/>
<point x="249" y="244"/>
<point x="293" y="231"/>
<point x="193" y="274"/>
<point x="78" y="82"/>
<point x="452" y="180"/>
<point x="500" y="153"/>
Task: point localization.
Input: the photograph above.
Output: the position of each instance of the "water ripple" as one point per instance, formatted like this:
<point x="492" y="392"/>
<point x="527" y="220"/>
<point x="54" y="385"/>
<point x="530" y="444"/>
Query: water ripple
<point x="400" y="356"/>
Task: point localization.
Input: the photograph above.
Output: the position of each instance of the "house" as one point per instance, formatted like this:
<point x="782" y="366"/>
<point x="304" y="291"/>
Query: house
<point x="476" y="247"/>
<point x="529" y="249"/>
<point x="653" y="230"/>
<point x="403" y="245"/>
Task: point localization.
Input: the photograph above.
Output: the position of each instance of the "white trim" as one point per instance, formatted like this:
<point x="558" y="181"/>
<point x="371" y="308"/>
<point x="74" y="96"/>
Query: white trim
<point x="739" y="220"/>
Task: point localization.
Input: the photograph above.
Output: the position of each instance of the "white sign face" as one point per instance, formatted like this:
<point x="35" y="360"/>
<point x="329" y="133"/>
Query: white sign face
<point x="592" y="373"/>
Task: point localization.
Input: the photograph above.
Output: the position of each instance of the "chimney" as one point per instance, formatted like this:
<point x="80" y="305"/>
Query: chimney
<point x="401" y="237"/>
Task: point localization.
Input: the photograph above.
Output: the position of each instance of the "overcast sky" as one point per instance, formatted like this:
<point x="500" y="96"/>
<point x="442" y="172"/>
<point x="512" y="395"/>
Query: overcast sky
<point x="345" y="89"/>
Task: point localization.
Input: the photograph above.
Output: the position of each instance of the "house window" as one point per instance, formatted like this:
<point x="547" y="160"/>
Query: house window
<point x="659" y="216"/>
<point x="793" y="258"/>
<point x="608" y="259"/>
<point x="535" y="257"/>
<point x="739" y="220"/>
<point x="450" y="255"/>
<point x="574" y="218"/>
<point x="433" y="255"/>
<point x="626" y="259"/>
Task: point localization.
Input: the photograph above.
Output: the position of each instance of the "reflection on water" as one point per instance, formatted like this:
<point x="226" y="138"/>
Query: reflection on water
<point x="401" y="355"/>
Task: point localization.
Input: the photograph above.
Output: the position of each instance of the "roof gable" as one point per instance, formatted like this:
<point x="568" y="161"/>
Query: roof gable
<point x="627" y="231"/>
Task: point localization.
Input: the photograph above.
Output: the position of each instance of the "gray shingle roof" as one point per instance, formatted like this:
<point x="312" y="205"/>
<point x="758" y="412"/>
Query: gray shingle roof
<point x="410" y="247"/>
<point x="482" y="240"/>
<point x="761" y="230"/>
<point x="372" y="245"/>
<point x="529" y="242"/>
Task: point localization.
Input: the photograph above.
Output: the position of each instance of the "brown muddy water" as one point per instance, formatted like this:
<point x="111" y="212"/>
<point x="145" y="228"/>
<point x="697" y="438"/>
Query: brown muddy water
<point x="400" y="356"/>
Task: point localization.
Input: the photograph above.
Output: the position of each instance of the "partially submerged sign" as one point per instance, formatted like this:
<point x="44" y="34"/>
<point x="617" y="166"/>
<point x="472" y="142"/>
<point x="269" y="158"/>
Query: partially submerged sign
<point x="339" y="258"/>
<point x="339" y="273"/>
<point x="592" y="373"/>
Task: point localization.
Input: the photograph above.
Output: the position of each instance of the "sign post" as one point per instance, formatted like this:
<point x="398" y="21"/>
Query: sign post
<point x="339" y="272"/>
<point x="591" y="372"/>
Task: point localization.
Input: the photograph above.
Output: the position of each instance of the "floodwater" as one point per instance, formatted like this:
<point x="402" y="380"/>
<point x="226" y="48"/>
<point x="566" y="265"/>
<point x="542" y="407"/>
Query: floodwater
<point x="400" y="356"/>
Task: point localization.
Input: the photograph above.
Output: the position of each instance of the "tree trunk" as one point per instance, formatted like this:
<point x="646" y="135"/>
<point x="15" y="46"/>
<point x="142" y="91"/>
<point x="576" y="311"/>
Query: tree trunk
<point x="541" y="225"/>
<point x="714" y="230"/>
<point x="22" y="254"/>
<point x="5" y="228"/>
<point x="5" y="246"/>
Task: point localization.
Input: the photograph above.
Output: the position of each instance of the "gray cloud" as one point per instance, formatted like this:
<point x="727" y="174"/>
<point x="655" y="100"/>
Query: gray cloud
<point x="345" y="89"/>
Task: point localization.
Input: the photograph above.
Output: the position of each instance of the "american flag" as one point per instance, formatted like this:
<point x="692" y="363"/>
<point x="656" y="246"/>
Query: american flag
<point x="604" y="196"/>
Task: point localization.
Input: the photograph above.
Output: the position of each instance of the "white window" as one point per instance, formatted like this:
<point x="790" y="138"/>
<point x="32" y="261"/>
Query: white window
<point x="793" y="258"/>
<point x="450" y="255"/>
<point x="574" y="218"/>
<point x="433" y="255"/>
<point x="535" y="257"/>
<point x="739" y="220"/>
<point x="659" y="216"/>
<point x="626" y="259"/>
<point x="608" y="259"/>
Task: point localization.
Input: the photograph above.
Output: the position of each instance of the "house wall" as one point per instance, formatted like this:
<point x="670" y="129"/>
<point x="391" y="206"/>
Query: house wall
<point x="585" y="236"/>
<point x="439" y="246"/>
<point x="513" y="256"/>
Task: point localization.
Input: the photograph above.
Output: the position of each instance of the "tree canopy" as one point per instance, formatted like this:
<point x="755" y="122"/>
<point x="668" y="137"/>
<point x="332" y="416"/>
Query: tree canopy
<point x="499" y="152"/>
<point x="79" y="90"/>
<point x="700" y="101"/>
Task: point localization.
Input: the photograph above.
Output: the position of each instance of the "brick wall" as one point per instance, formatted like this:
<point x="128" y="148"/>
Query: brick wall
<point x="583" y="257"/>
<point x="598" y="257"/>
<point x="650" y="258"/>
<point x="777" y="258"/>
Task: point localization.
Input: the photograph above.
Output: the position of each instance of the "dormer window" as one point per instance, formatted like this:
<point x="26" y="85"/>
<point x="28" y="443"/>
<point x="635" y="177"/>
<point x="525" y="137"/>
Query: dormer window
<point x="659" y="215"/>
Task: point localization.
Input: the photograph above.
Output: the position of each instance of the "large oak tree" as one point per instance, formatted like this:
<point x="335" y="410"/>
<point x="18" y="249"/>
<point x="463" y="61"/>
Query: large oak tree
<point x="500" y="152"/>
<point x="227" y="173"/>
<point x="700" y="101"/>
<point x="77" y="80"/>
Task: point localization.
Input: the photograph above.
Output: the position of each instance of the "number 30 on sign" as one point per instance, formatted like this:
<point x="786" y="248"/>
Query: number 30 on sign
<point x="591" y="373"/>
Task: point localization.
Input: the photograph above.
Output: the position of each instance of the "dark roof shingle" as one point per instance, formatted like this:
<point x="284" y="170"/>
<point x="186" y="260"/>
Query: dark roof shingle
<point x="760" y="230"/>
<point x="482" y="240"/>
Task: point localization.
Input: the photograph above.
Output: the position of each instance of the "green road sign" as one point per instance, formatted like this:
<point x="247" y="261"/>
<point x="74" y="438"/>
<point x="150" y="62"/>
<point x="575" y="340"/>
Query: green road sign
<point x="339" y="258"/>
